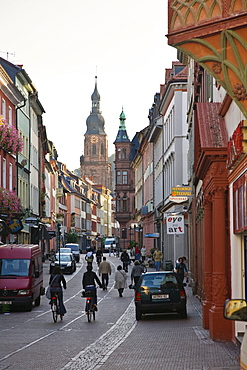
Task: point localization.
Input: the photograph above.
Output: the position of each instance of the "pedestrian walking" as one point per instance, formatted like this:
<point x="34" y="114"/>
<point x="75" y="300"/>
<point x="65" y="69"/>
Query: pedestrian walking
<point x="104" y="272"/>
<point x="158" y="257"/>
<point x="120" y="280"/>
<point x="181" y="268"/>
<point x="137" y="253"/>
<point x="125" y="260"/>
<point x="143" y="253"/>
<point x="136" y="272"/>
<point x="99" y="255"/>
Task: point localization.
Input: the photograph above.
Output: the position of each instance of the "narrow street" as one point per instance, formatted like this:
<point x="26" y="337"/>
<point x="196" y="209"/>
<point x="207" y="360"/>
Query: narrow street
<point x="115" y="340"/>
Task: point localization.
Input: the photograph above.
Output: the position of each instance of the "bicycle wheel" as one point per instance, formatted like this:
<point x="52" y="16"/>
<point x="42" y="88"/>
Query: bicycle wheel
<point x="94" y="314"/>
<point x="54" y="311"/>
<point x="89" y="315"/>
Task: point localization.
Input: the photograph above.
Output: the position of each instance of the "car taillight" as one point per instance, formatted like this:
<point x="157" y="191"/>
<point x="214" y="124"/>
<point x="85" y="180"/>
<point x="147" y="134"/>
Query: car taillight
<point x="138" y="296"/>
<point x="182" y="293"/>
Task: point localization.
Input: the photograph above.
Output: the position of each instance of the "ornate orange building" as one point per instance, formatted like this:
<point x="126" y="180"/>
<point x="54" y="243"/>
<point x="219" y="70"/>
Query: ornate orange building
<point x="214" y="34"/>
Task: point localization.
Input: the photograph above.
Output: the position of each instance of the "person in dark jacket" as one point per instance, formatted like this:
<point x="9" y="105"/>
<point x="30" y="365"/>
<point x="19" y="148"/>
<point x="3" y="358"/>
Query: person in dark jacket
<point x="125" y="259"/>
<point x="89" y="281"/>
<point x="56" y="281"/>
<point x="181" y="268"/>
<point x="136" y="272"/>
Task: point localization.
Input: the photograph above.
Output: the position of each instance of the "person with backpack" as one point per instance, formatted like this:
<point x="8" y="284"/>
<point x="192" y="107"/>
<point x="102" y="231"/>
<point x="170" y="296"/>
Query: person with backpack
<point x="89" y="281"/>
<point x="56" y="279"/>
<point x="89" y="257"/>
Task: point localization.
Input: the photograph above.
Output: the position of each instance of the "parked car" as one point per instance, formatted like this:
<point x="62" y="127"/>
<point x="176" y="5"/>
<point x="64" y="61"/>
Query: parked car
<point x="75" y="250"/>
<point x="21" y="275"/>
<point x="67" y="263"/>
<point x="236" y="309"/>
<point x="160" y="292"/>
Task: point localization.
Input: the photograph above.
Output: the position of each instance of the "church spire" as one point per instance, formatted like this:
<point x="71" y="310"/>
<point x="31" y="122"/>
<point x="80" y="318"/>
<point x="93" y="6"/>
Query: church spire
<point x="95" y="97"/>
<point x="122" y="135"/>
<point x="95" y="122"/>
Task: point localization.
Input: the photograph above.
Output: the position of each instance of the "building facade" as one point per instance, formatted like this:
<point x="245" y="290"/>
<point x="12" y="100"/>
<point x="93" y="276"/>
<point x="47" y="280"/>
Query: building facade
<point x="216" y="40"/>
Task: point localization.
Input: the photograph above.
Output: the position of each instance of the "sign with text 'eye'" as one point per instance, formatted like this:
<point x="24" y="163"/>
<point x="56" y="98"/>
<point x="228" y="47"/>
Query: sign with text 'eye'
<point x="175" y="224"/>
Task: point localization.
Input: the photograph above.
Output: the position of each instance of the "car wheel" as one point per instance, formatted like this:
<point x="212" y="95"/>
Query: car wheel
<point x="138" y="315"/>
<point x="37" y="301"/>
<point x="183" y="313"/>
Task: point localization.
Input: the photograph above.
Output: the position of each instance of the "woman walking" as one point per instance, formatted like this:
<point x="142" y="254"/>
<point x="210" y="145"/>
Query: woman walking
<point x="120" y="280"/>
<point x="181" y="268"/>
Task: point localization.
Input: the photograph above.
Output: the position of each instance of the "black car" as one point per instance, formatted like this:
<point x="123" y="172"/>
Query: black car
<point x="67" y="263"/>
<point x="160" y="292"/>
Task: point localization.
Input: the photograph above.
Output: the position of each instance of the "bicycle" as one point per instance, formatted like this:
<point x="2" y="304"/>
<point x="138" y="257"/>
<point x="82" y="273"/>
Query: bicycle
<point x="90" y="308"/>
<point x="55" y="307"/>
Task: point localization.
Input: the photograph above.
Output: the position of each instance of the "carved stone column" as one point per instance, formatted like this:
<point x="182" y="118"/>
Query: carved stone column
<point x="218" y="326"/>
<point x="208" y="261"/>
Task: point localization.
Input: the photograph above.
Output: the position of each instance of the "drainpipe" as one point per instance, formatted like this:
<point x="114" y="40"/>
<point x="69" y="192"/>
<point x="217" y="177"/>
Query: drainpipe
<point x="16" y="115"/>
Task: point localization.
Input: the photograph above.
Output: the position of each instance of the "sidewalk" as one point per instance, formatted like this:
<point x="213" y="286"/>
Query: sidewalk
<point x="173" y="344"/>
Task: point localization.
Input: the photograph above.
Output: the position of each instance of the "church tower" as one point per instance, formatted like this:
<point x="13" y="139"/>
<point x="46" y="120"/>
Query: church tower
<point x="94" y="162"/>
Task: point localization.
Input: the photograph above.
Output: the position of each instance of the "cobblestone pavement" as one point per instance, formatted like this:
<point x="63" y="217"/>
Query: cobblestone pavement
<point x="164" y="342"/>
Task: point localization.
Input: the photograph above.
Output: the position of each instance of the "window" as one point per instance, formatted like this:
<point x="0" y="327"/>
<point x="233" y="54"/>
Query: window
<point x="119" y="153"/>
<point x="10" y="176"/>
<point x="10" y="116"/>
<point x="125" y="177"/>
<point x="4" y="173"/>
<point x="118" y="180"/>
<point x="124" y="153"/>
<point x="94" y="149"/>
<point x="102" y="149"/>
<point x="125" y="204"/>
<point x="3" y="108"/>
<point x="118" y="204"/>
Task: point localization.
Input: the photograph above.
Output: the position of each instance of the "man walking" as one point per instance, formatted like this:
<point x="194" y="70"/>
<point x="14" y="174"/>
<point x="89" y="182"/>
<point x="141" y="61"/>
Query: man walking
<point x="158" y="257"/>
<point x="104" y="272"/>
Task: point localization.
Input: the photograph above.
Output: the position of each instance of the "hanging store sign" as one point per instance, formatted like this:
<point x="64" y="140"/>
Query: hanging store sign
<point x="152" y="235"/>
<point x="181" y="191"/>
<point x="59" y="192"/>
<point x="175" y="224"/>
<point x="178" y="199"/>
<point x="237" y="145"/>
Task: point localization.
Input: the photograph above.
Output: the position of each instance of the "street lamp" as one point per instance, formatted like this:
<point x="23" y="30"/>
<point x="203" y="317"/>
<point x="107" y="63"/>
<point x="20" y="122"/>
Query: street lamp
<point x="58" y="240"/>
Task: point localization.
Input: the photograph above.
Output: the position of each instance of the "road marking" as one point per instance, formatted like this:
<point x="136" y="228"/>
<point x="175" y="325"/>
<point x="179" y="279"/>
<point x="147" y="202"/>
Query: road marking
<point x="28" y="345"/>
<point x="60" y="329"/>
<point x="90" y="358"/>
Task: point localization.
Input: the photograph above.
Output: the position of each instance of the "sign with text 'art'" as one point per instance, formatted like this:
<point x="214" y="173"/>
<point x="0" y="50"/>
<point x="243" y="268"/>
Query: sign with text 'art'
<point x="175" y="224"/>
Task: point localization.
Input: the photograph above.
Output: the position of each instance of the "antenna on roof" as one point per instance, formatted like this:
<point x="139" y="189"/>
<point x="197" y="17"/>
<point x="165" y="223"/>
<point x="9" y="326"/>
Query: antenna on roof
<point x="7" y="54"/>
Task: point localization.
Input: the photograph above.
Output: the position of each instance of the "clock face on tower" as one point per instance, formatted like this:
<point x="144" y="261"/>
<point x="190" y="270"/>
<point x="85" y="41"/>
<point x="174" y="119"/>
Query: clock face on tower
<point x="94" y="139"/>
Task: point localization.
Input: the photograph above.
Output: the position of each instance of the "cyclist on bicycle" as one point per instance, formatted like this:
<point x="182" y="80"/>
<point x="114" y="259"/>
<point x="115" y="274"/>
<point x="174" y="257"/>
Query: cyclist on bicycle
<point x="56" y="288"/>
<point x="88" y="282"/>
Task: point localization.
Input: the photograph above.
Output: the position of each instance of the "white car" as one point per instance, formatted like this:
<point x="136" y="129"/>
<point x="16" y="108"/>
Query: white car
<point x="75" y="250"/>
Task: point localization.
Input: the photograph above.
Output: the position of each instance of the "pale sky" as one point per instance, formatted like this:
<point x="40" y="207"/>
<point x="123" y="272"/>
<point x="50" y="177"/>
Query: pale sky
<point x="61" y="43"/>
